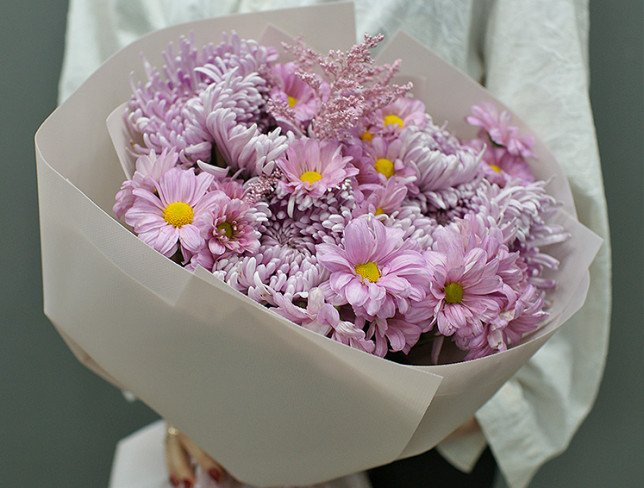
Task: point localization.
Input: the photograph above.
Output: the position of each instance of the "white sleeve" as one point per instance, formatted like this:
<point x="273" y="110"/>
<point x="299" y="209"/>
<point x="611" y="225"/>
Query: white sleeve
<point x="536" y="62"/>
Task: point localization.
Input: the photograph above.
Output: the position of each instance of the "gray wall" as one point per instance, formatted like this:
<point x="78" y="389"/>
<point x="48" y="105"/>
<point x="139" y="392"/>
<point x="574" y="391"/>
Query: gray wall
<point x="59" y="423"/>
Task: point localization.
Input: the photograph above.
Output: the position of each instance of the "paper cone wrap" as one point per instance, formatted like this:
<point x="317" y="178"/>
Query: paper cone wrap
<point x="275" y="403"/>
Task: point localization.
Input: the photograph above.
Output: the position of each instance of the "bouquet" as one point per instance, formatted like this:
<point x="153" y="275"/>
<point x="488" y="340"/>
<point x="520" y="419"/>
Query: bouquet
<point x="303" y="227"/>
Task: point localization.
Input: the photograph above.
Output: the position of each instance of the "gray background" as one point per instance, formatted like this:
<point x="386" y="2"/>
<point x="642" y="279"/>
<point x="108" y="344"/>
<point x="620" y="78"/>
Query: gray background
<point x="59" y="423"/>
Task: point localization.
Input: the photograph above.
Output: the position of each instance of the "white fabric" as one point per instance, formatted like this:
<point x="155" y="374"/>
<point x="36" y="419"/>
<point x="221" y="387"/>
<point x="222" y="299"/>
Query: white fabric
<point x="533" y="56"/>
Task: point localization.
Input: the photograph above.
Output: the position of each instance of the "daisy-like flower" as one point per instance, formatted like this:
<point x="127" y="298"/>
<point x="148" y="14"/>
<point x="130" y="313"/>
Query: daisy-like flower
<point x="374" y="270"/>
<point x="394" y="334"/>
<point x="501" y="167"/>
<point x="392" y="119"/>
<point x="505" y="150"/>
<point x="381" y="200"/>
<point x="497" y="127"/>
<point x="149" y="169"/>
<point x="297" y="94"/>
<point x="172" y="216"/>
<point x="382" y="160"/>
<point x="310" y="168"/>
<point x="232" y="226"/>
<point x="516" y="319"/>
<point x="464" y="282"/>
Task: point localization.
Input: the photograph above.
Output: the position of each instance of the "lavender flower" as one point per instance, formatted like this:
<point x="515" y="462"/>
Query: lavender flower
<point x="310" y="168"/>
<point x="294" y="92"/>
<point x="374" y="270"/>
<point x="149" y="169"/>
<point x="155" y="113"/>
<point x="174" y="216"/>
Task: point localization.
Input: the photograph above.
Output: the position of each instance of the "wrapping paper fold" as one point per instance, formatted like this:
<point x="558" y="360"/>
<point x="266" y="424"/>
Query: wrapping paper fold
<point x="274" y="403"/>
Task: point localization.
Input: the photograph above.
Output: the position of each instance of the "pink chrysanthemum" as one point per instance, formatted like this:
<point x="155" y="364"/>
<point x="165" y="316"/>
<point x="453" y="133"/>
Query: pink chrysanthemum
<point x="506" y="150"/>
<point x="381" y="160"/>
<point x="516" y="319"/>
<point x="291" y="90"/>
<point x="381" y="200"/>
<point x="501" y="167"/>
<point x="394" y="334"/>
<point x="311" y="168"/>
<point x="155" y="113"/>
<point x="392" y="119"/>
<point x="497" y="127"/>
<point x="232" y="226"/>
<point x="318" y="316"/>
<point x="323" y="318"/>
<point x="173" y="217"/>
<point x="149" y="169"/>
<point x="464" y="281"/>
<point x="374" y="270"/>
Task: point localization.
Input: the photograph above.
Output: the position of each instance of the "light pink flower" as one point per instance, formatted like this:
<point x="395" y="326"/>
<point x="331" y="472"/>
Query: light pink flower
<point x="310" y="168"/>
<point x="497" y="126"/>
<point x="381" y="200"/>
<point x="392" y="119"/>
<point x="374" y="270"/>
<point x="172" y="217"/>
<point x="464" y="282"/>
<point x="318" y="316"/>
<point x="516" y="319"/>
<point x="231" y="226"/>
<point x="294" y="92"/>
<point x="149" y="169"/>
<point x="395" y="334"/>
<point x="382" y="160"/>
<point x="506" y="149"/>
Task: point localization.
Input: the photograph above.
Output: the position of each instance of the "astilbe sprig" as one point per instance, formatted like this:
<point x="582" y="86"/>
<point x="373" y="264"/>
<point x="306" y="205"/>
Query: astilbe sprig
<point x="350" y="88"/>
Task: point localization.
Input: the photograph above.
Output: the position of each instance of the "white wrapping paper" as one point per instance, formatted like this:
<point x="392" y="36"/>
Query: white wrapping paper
<point x="274" y="403"/>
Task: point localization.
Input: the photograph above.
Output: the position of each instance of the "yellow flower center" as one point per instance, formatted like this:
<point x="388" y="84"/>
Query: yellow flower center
<point x="369" y="271"/>
<point x="227" y="228"/>
<point x="385" y="167"/>
<point x="453" y="293"/>
<point x="393" y="120"/>
<point x="178" y="214"/>
<point x="310" y="177"/>
<point x="379" y="211"/>
<point x="292" y="101"/>
<point x="495" y="168"/>
<point x="366" y="136"/>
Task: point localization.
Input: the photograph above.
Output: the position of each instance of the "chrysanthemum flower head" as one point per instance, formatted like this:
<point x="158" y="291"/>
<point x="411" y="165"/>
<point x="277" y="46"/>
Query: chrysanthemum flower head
<point x="173" y="215"/>
<point x="497" y="127"/>
<point x="312" y="167"/>
<point x="516" y="319"/>
<point x="232" y="226"/>
<point x="374" y="270"/>
<point x="391" y="120"/>
<point x="381" y="160"/>
<point x="292" y="90"/>
<point x="318" y="315"/>
<point x="464" y="281"/>
<point x="149" y="169"/>
<point x="505" y="148"/>
<point x="381" y="200"/>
